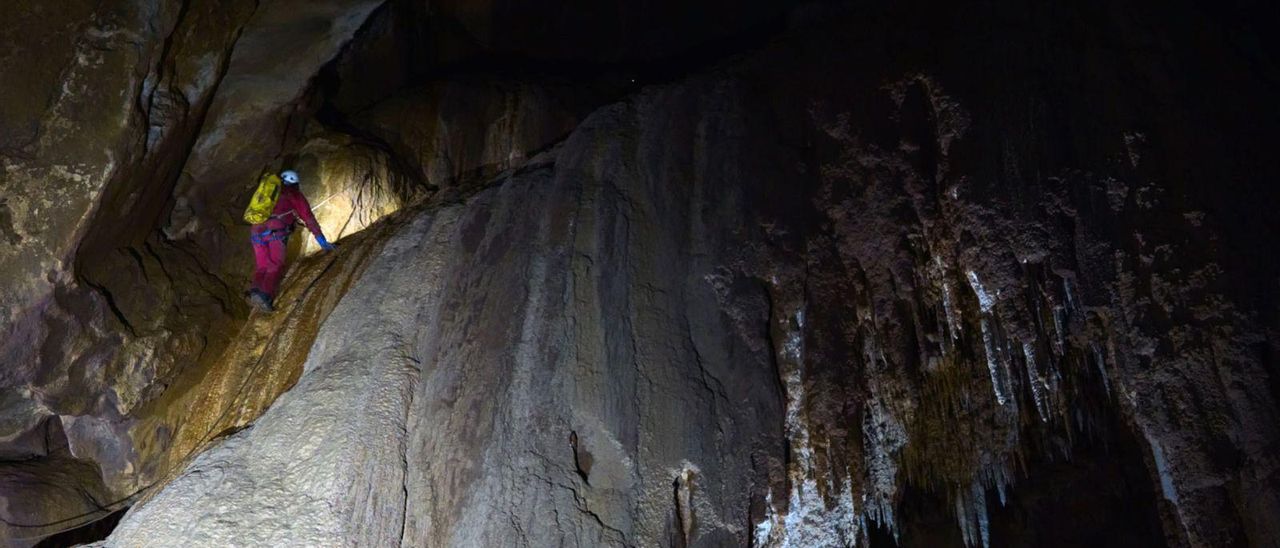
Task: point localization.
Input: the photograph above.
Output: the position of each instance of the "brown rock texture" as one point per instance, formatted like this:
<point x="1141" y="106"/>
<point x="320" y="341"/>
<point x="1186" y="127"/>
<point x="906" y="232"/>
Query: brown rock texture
<point x="905" y="273"/>
<point x="457" y="132"/>
<point x="785" y="304"/>
<point x="102" y="312"/>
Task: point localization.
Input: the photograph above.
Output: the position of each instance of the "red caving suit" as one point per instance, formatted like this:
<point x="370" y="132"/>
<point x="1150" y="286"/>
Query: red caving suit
<point x="270" y="238"/>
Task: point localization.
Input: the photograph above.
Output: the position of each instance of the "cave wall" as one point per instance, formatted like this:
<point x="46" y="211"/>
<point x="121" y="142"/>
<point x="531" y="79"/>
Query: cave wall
<point x="564" y="420"/>
<point x="69" y="122"/>
<point x="133" y="133"/>
<point x="282" y="49"/>
<point x="885" y="270"/>
<point x="462" y="132"/>
<point x="103" y="313"/>
<point x="896" y="277"/>
<point x="130" y="83"/>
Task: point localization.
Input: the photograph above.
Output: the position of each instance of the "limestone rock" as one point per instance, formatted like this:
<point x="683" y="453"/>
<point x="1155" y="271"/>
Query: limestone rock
<point x="248" y="124"/>
<point x="456" y="131"/>
<point x="53" y="482"/>
<point x="785" y="304"/>
<point x="353" y="183"/>
<point x="70" y="126"/>
<point x="916" y="273"/>
<point x="102" y="314"/>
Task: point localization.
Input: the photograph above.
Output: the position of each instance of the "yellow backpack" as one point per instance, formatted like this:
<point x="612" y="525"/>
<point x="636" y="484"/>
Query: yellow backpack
<point x="264" y="199"/>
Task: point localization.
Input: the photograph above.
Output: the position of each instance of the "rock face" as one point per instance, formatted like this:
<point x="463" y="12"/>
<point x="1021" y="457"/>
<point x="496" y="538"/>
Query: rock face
<point x="248" y="124"/>
<point x="514" y="393"/>
<point x="132" y="134"/>
<point x="813" y="310"/>
<point x="911" y="274"/>
<point x="74" y="126"/>
<point x="457" y="132"/>
<point x="129" y="82"/>
<point x="274" y="465"/>
<point x="102" y="313"/>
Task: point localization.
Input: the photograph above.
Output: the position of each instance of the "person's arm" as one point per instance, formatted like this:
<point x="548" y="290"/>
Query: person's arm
<point x="303" y="208"/>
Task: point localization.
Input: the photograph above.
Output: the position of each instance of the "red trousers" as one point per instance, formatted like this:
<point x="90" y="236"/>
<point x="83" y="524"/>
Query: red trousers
<point x="269" y="257"/>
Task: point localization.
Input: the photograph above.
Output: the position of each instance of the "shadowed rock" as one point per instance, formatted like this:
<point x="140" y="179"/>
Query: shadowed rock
<point x="928" y="275"/>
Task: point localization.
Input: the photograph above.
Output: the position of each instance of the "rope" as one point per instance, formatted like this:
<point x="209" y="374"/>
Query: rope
<point x="105" y="510"/>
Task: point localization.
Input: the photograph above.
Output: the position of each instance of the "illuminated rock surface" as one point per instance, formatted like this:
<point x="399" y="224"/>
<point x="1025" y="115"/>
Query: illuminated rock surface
<point x="977" y="275"/>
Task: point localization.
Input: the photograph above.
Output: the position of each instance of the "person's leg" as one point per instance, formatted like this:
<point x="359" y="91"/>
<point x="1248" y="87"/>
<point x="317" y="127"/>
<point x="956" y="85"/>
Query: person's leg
<point x="261" y="260"/>
<point x="273" y="268"/>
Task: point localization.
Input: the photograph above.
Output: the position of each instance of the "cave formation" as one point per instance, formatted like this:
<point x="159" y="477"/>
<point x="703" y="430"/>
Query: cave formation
<point x="768" y="273"/>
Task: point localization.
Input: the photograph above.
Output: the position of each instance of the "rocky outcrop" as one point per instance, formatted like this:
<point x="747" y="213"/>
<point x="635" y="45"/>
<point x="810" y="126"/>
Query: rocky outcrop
<point x="289" y="466"/>
<point x="486" y="424"/>
<point x="353" y="183"/>
<point x="56" y="484"/>
<point x="820" y="309"/>
<point x="130" y="82"/>
<point x="263" y="94"/>
<point x="218" y="395"/>
<point x="132" y="134"/>
<point x="458" y="132"/>
<point x="102" y="313"/>
<point x="925" y="275"/>
<point x="78" y="122"/>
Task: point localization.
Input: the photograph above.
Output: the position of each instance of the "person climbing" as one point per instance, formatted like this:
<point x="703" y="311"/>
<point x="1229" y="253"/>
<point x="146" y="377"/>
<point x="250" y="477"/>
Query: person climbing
<point x="271" y="236"/>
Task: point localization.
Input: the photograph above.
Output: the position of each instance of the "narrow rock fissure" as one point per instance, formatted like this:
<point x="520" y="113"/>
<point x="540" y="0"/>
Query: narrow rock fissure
<point x="404" y="453"/>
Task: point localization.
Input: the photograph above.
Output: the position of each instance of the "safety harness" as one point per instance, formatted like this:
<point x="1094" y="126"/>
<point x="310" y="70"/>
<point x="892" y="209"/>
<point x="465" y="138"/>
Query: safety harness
<point x="269" y="235"/>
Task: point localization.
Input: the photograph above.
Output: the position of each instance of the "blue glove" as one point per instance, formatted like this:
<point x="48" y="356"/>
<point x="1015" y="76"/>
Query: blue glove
<point x="324" y="244"/>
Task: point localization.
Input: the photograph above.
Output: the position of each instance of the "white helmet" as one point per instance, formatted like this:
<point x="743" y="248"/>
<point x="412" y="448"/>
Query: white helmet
<point x="290" y="177"/>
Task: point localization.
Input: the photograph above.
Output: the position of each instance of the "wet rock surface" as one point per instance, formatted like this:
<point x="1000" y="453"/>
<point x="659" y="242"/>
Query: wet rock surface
<point x="979" y="275"/>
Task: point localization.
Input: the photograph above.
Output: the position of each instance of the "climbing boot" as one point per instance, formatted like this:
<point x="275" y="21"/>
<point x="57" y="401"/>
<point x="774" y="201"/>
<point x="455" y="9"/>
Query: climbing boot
<point x="260" y="301"/>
